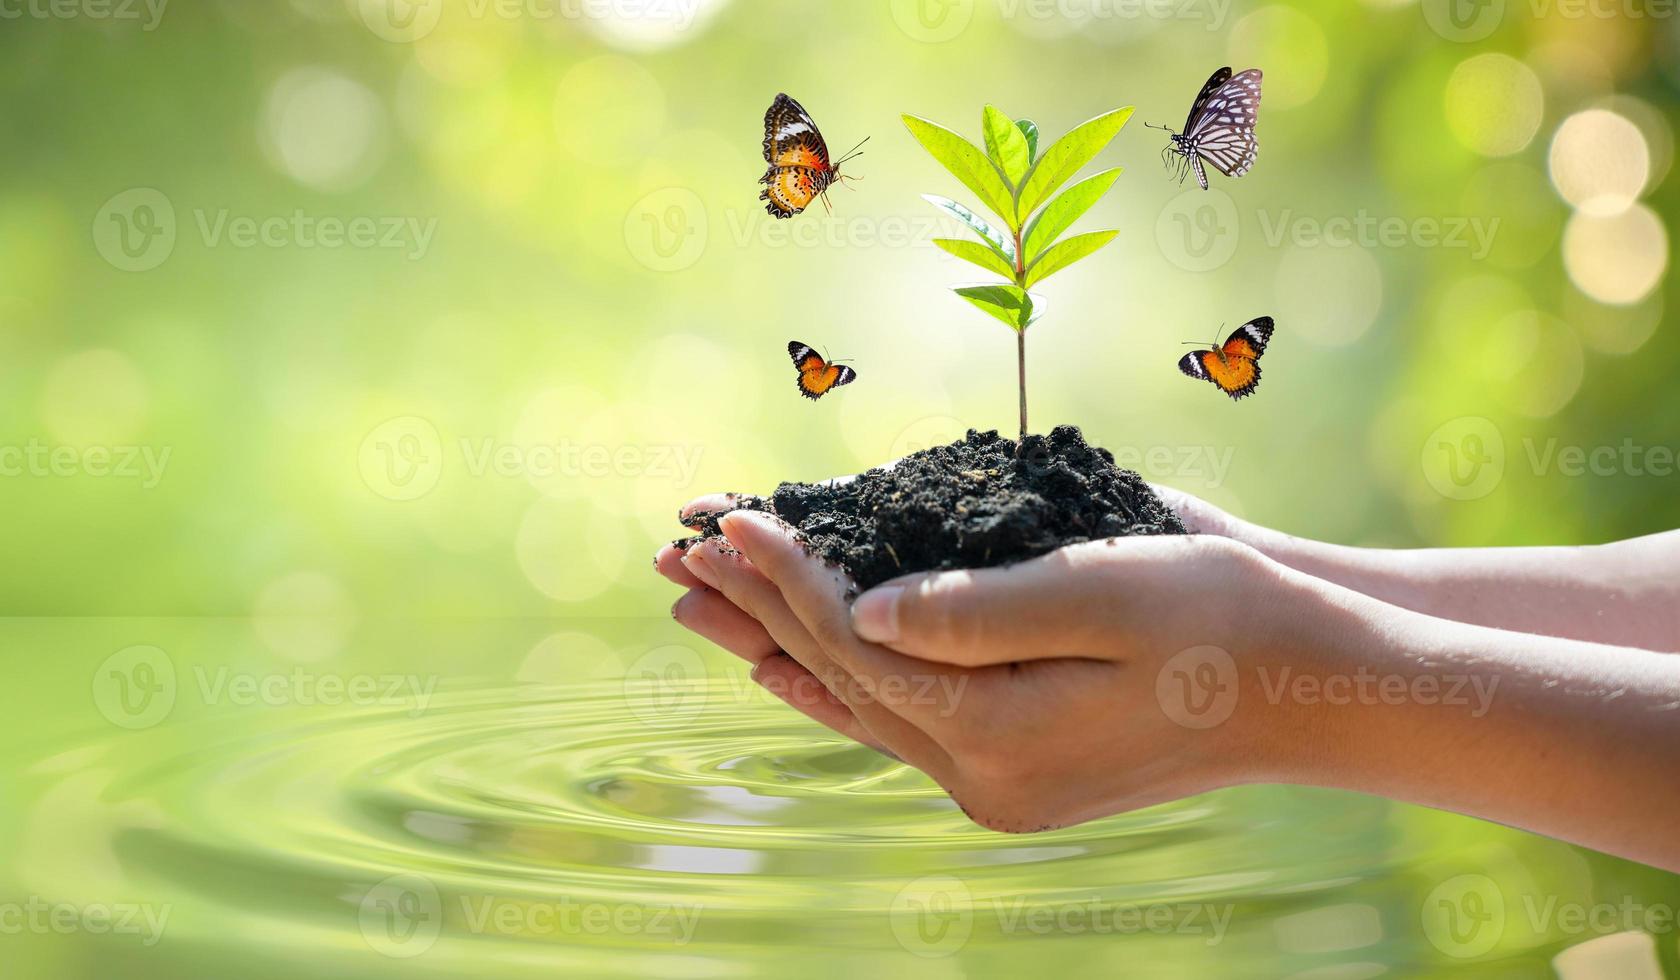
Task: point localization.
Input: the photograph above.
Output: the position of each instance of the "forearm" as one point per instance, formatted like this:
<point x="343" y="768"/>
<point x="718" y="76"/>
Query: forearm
<point x="1570" y="739"/>
<point x="1625" y="594"/>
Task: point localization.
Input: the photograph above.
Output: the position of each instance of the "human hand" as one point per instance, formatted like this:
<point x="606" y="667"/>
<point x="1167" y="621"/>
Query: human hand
<point x="1029" y="692"/>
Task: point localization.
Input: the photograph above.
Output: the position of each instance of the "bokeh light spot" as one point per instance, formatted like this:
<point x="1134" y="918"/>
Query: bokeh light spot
<point x="323" y="129"/>
<point x="1290" y="45"/>
<point x="1494" y="104"/>
<point x="1617" y="259"/>
<point x="1599" y="162"/>
<point x="95" y="397"/>
<point x="305" y="616"/>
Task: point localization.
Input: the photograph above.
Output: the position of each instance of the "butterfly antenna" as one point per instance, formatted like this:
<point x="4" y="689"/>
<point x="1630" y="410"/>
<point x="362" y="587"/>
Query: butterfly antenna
<point x="854" y="152"/>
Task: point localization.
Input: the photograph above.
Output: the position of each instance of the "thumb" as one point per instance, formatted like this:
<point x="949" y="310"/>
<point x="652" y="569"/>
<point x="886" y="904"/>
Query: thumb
<point x="1059" y="605"/>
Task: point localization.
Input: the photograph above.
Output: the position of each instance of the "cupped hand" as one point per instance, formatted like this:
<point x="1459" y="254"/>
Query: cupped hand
<point x="1031" y="693"/>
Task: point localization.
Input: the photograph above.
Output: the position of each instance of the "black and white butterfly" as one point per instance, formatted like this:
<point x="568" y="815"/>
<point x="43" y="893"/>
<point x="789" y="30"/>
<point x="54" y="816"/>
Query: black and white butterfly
<point x="1220" y="128"/>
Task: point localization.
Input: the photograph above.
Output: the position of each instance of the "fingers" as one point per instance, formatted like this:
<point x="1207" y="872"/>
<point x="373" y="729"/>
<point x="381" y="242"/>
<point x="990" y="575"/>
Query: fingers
<point x="816" y="594"/>
<point x="668" y="562"/>
<point x="746" y="586"/>
<point x="784" y="677"/>
<point x="717" y="619"/>
<point x="1066" y="604"/>
<point x="711" y="503"/>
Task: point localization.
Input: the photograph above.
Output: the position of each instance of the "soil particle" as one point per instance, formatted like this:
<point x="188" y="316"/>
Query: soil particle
<point x="977" y="503"/>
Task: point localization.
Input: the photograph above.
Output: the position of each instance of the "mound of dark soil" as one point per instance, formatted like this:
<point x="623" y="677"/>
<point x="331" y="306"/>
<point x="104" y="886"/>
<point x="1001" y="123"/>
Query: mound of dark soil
<point x="977" y="503"/>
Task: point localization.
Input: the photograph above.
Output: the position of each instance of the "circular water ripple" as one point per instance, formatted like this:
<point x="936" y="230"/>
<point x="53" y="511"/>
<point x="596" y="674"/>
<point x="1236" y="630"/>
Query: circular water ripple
<point x="586" y="826"/>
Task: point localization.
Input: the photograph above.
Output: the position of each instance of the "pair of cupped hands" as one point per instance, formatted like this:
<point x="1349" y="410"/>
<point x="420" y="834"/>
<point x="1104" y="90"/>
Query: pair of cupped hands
<point x="1031" y="693"/>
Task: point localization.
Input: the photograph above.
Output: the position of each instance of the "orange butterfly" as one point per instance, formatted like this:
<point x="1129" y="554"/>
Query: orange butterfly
<point x="816" y="375"/>
<point x="798" y="159"/>
<point x="1234" y="367"/>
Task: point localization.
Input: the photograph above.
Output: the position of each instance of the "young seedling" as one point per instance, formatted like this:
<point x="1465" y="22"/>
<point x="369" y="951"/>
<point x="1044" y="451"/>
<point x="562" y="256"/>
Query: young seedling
<point x="1015" y="182"/>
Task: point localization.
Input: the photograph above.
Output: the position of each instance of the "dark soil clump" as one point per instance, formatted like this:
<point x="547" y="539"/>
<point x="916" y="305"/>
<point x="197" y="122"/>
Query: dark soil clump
<point x="972" y="504"/>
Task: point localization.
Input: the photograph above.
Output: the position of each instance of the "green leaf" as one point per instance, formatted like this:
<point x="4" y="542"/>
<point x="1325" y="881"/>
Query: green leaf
<point x="1060" y="214"/>
<point x="1010" y="304"/>
<point x="1067" y="155"/>
<point x="998" y="241"/>
<point x="1029" y="129"/>
<point x="1006" y="145"/>
<point x="979" y="254"/>
<point x="965" y="161"/>
<point x="1066" y="253"/>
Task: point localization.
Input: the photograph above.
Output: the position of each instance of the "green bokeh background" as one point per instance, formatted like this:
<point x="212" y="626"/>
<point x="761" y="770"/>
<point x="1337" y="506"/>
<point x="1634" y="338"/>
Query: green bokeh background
<point x="600" y="285"/>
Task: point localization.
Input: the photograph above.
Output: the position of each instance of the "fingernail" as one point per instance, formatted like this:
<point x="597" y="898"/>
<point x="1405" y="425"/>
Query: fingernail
<point x="697" y="566"/>
<point x="875" y="614"/>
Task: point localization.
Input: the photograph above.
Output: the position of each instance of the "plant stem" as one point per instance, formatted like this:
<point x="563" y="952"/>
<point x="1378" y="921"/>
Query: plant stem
<point x="1021" y="334"/>
<point x="1021" y="362"/>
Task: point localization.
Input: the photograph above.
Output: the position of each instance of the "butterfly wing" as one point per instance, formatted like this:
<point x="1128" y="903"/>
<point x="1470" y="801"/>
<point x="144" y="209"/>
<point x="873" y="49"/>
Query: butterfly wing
<point x="798" y="157"/>
<point x="1235" y="376"/>
<point x="817" y="376"/>
<point x="1218" y="78"/>
<point x="791" y="137"/>
<point x="1223" y="131"/>
<point x="1237" y="372"/>
<point x="1249" y="340"/>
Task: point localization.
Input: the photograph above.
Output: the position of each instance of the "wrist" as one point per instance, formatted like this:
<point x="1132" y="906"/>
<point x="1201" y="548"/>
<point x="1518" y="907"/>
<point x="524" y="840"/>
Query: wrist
<point x="1316" y="658"/>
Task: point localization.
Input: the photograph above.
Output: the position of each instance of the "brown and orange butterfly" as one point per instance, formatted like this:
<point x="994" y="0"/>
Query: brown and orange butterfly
<point x="798" y="158"/>
<point x="817" y="375"/>
<point x="1233" y="367"/>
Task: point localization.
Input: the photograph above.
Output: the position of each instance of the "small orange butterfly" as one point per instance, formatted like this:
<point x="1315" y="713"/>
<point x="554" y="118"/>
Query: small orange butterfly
<point x="817" y="375"/>
<point x="1235" y="366"/>
<point x="798" y="158"/>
